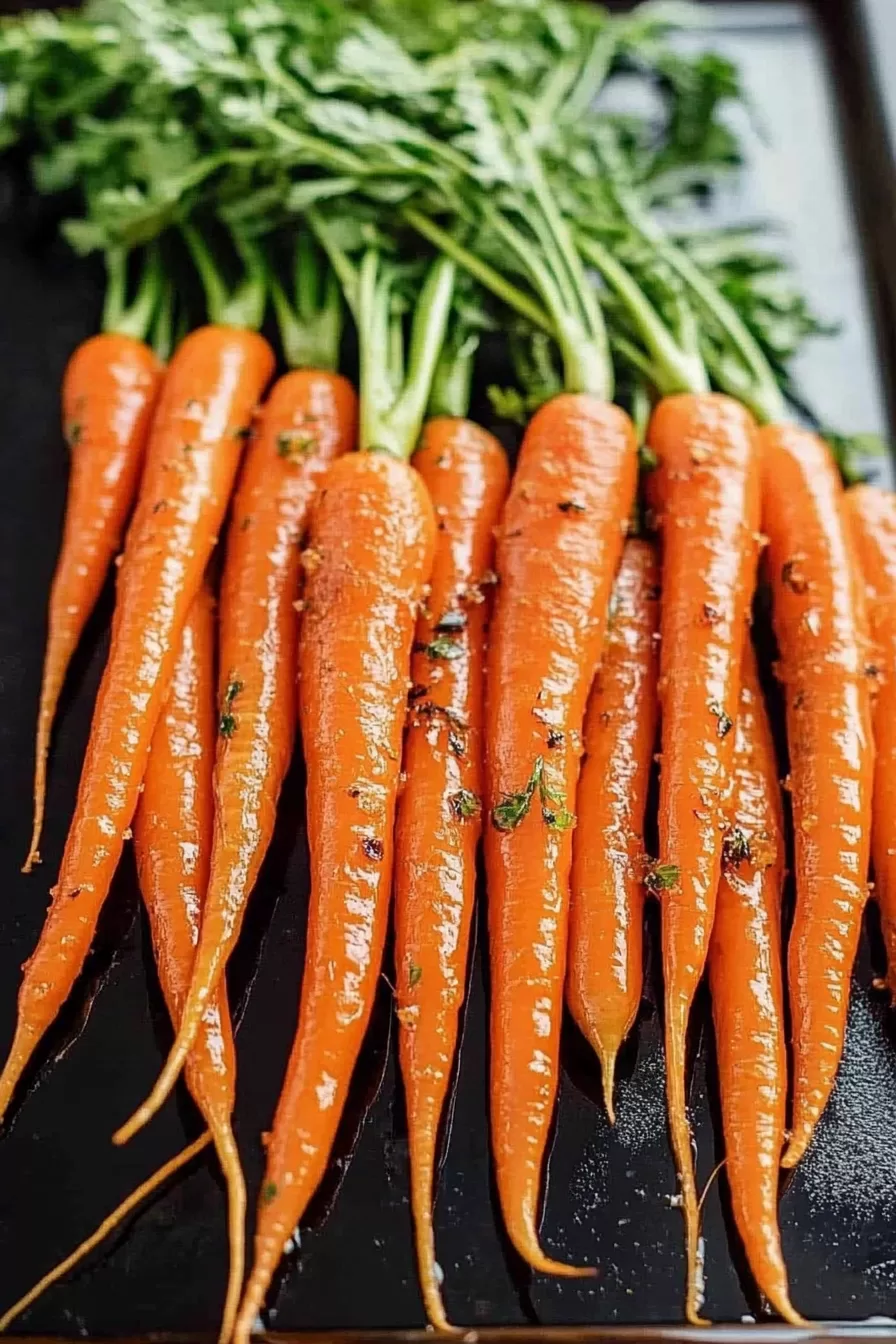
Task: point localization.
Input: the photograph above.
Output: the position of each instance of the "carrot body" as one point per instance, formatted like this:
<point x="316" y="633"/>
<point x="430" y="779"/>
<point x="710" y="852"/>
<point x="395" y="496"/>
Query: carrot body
<point x="369" y="557"/>
<point x="172" y="846"/>
<point x="207" y="401"/>
<point x="872" y="516"/>
<point x="706" y="494"/>
<point x="606" y="916"/>
<point x="439" y="813"/>
<point x="747" y="982"/>
<point x="558" y="546"/>
<point x="309" y="420"/>
<point x="109" y="392"/>
<point x="819" y="620"/>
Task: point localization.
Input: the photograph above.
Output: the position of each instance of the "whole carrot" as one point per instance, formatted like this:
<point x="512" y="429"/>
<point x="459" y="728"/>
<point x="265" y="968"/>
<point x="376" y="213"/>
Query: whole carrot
<point x="309" y="419"/>
<point x="558" y="546"/>
<point x="368" y="560"/>
<point x="606" y="916"/>
<point x="109" y="392"/>
<point x="706" y="494"/>
<point x="747" y="982"/>
<point x="172" y="846"/>
<point x="871" y="513"/>
<point x="439" y="812"/>
<point x="820" y="625"/>
<point x="212" y="386"/>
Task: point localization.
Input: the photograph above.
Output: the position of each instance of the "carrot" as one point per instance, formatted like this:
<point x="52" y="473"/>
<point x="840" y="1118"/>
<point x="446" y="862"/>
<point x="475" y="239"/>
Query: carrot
<point x="558" y="546"/>
<point x="820" y="626"/>
<point x="368" y="559"/>
<point x="747" y="983"/>
<point x="706" y="494"/>
<point x="109" y="391"/>
<point x="439" y="813"/>
<point x="210" y="391"/>
<point x="871" y="513"/>
<point x="309" y="419"/>
<point x="172" y="846"/>
<point x="605" y="974"/>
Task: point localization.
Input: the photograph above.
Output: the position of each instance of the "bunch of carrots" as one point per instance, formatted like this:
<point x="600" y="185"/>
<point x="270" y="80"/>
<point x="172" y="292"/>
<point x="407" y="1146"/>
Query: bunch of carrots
<point x="466" y="654"/>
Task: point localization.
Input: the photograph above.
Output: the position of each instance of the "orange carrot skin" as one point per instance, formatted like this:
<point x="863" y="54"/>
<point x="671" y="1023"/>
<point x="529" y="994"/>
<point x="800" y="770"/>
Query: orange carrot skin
<point x="605" y="974"/>
<point x="369" y="557"/>
<point x="871" y="513"/>
<point x="109" y="392"/>
<point x="746" y="979"/>
<point x="440" y="810"/>
<point x="558" y="547"/>
<point x="213" y="384"/>
<point x="705" y="492"/>
<point x="819" y="619"/>
<point x="172" y="846"/>
<point x="309" y="419"/>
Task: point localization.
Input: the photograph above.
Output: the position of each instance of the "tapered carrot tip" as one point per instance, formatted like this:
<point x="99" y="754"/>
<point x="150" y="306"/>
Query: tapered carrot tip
<point x="608" y="1073"/>
<point x="32" y="859"/>
<point x="525" y="1241"/>
<point x="796" y="1148"/>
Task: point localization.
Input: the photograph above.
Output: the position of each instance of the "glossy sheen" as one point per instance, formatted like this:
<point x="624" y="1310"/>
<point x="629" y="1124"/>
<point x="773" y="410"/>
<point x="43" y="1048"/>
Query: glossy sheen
<point x="208" y="398"/>
<point x="747" y="982"/>
<point x="871" y="513"/>
<point x="308" y="421"/>
<point x="605" y="974"/>
<point x="820" y="625"/>
<point x="466" y="472"/>
<point x="558" y="547"/>
<point x="368" y="560"/>
<point x="172" y="847"/>
<point x="705" y="492"/>
<point x="108" y="395"/>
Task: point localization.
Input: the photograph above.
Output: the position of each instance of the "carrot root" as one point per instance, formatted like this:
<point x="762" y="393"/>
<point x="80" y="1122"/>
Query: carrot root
<point x="683" y="1152"/>
<point x="108" y="1225"/>
<point x="608" y="1075"/>
<point x="229" y="1158"/>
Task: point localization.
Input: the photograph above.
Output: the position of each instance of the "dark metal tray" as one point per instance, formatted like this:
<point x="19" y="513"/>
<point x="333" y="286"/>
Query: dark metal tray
<point x="822" y="168"/>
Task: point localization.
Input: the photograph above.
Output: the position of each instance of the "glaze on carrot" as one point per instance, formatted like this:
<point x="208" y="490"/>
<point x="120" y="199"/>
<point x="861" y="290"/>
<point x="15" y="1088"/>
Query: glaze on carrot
<point x="109" y="392"/>
<point x="820" y="624"/>
<point x="606" y="916"/>
<point x="212" y="386"/>
<point x="705" y="492"/>
<point x="309" y="420"/>
<point x="440" y="807"/>
<point x="871" y="513"/>
<point x="746" y="978"/>
<point x="558" y="546"/>
<point x="172" y="846"/>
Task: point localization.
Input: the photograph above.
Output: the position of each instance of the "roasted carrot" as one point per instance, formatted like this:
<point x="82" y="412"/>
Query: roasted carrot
<point x="871" y="513"/>
<point x="213" y="383"/>
<point x="109" y="392"/>
<point x="172" y="846"/>
<point x="821" y="630"/>
<point x="368" y="560"/>
<point x="558" y="546"/>
<point x="705" y="491"/>
<point x="606" y="916"/>
<point x="309" y="419"/>
<point x="439" y="813"/>
<point x="746" y="979"/>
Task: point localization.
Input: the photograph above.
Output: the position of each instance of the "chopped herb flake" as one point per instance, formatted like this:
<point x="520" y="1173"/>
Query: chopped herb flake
<point x="268" y="1192"/>
<point x="725" y="722"/>
<point x="373" y="848"/>
<point x="442" y="647"/>
<point x="227" y="721"/>
<point x="295" y="443"/>
<point x="465" y="804"/>
<point x="73" y="432"/>
<point x="647" y="458"/>
<point x="736" y="848"/>
<point x="571" y="506"/>
<point x="415" y="975"/>
<point x="662" y="877"/>
<point x="508" y="814"/>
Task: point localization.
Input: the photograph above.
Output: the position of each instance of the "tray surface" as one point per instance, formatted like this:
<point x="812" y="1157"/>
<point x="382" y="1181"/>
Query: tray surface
<point x="608" y="1193"/>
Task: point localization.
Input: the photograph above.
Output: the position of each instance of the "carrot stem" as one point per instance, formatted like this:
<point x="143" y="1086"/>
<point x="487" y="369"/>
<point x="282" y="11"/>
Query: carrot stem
<point x="310" y="321"/>
<point x="243" y="305"/>
<point x="134" y="319"/>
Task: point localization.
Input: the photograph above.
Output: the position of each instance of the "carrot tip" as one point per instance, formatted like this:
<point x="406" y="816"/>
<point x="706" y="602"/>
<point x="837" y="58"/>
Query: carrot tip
<point x="608" y="1072"/>
<point x="32" y="859"/>
<point x="796" y="1148"/>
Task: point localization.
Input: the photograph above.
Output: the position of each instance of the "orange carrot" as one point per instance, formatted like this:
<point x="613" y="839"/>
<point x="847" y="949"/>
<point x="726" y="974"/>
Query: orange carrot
<point x="207" y="401"/>
<point x="309" y="419"/>
<point x="439" y="813"/>
<point x="108" y="394"/>
<point x="820" y="624"/>
<point x="369" y="557"/>
<point x="747" y="982"/>
<point x="871" y="513"/>
<point x="558" y="546"/>
<point x="172" y="846"/>
<point x="706" y="494"/>
<point x="606" y="916"/>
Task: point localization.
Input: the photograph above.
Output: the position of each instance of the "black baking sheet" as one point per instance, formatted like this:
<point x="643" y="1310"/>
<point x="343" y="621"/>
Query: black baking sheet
<point x="608" y="1193"/>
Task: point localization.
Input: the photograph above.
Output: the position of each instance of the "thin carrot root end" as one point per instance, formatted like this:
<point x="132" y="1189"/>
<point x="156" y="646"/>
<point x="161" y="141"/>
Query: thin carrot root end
<point x="608" y="1075"/>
